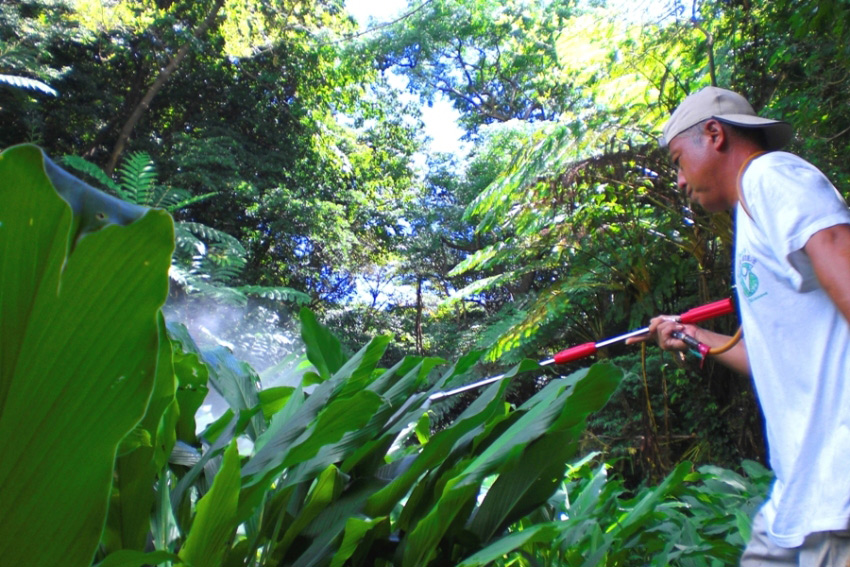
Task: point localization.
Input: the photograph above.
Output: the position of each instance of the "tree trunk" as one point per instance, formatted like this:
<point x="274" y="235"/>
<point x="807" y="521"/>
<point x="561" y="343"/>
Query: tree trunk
<point x="420" y="348"/>
<point x="157" y="85"/>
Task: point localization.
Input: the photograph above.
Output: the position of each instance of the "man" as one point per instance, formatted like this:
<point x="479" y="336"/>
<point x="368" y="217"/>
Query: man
<point x="792" y="275"/>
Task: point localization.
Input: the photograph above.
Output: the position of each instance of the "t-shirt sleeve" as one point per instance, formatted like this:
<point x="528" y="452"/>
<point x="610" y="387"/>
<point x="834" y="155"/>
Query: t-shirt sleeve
<point x="790" y="200"/>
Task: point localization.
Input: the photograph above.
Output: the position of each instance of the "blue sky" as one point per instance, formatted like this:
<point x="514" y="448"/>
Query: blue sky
<point x="440" y="118"/>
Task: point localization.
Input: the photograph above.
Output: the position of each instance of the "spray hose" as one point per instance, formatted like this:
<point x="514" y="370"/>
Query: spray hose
<point x="695" y="315"/>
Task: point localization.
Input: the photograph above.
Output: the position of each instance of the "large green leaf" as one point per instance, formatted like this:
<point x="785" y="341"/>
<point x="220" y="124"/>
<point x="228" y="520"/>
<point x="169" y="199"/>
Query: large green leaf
<point x="215" y="522"/>
<point x="323" y="349"/>
<point x="562" y="404"/>
<point x="192" y="378"/>
<point x="359" y="531"/>
<point x="327" y="488"/>
<point x="133" y="558"/>
<point x="128" y="521"/>
<point x="79" y="298"/>
<point x="537" y="533"/>
<point x="437" y="449"/>
<point x="236" y="381"/>
<point x="525" y="486"/>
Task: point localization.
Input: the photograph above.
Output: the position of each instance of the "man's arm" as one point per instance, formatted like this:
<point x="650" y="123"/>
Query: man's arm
<point x="829" y="252"/>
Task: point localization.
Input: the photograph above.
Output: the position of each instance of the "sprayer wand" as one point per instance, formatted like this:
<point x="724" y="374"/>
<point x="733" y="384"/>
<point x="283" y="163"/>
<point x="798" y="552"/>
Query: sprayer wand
<point x="695" y="315"/>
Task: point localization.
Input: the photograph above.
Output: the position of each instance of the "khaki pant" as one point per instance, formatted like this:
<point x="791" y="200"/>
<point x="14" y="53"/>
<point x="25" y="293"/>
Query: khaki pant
<point x="822" y="549"/>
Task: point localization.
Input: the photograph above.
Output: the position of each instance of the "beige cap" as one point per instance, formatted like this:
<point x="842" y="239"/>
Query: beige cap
<point x="725" y="106"/>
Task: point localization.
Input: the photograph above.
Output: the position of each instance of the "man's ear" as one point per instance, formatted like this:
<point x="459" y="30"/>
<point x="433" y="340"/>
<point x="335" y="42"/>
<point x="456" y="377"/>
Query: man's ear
<point x="716" y="133"/>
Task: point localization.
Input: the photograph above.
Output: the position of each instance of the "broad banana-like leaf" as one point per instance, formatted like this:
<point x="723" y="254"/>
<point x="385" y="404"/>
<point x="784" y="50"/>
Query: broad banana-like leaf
<point x="539" y="533"/>
<point x="192" y="378"/>
<point x="359" y="531"/>
<point x="323" y="419"/>
<point x="215" y="522"/>
<point x="436" y="450"/>
<point x="327" y="488"/>
<point x="237" y="383"/>
<point x="129" y="518"/>
<point x="82" y="279"/>
<point x="323" y="349"/>
<point x="560" y="406"/>
<point x="526" y="486"/>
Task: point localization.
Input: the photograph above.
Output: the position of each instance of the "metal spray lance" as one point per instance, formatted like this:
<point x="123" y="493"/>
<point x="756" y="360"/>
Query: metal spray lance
<point x="695" y="315"/>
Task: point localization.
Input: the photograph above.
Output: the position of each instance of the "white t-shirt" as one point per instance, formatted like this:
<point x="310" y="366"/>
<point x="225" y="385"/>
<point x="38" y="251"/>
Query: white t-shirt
<point x="798" y="344"/>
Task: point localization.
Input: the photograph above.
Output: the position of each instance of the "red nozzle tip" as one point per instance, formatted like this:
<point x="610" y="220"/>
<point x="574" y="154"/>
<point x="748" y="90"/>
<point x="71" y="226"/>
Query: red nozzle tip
<point x="575" y="353"/>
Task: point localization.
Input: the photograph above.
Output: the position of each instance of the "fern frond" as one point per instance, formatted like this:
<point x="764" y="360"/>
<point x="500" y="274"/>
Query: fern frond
<point x="95" y="173"/>
<point x="479" y="286"/>
<point x="213" y="235"/>
<point x="29" y="84"/>
<point x="548" y="308"/>
<point x="187" y="201"/>
<point x="195" y="284"/>
<point x="137" y="174"/>
<point x="218" y="270"/>
<point x="475" y="260"/>
<point x="276" y="293"/>
<point x="186" y="242"/>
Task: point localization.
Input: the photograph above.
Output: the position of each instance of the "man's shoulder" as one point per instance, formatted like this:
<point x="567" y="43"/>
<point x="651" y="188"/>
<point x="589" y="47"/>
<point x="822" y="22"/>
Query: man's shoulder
<point x="783" y="164"/>
<point x="780" y="158"/>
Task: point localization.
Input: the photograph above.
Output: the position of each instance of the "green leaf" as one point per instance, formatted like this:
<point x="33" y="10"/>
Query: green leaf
<point x="423" y="542"/>
<point x="272" y="400"/>
<point x="236" y="381"/>
<point x="525" y="486"/>
<point x="358" y="531"/>
<point x="138" y="438"/>
<point x="327" y="488"/>
<point x="192" y="379"/>
<point x="128" y="521"/>
<point x="437" y="449"/>
<point x="540" y="533"/>
<point x="636" y="518"/>
<point x="78" y="317"/>
<point x="215" y="522"/>
<point x="323" y="349"/>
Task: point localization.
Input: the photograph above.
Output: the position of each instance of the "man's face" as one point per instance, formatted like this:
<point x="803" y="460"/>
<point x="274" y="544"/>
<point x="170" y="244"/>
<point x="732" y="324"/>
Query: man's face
<point x="696" y="164"/>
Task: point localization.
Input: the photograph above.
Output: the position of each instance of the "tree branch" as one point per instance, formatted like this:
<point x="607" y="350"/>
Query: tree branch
<point x="157" y="85"/>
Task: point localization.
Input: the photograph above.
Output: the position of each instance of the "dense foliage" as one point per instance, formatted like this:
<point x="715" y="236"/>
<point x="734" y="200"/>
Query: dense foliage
<point x="339" y="468"/>
<point x="296" y="172"/>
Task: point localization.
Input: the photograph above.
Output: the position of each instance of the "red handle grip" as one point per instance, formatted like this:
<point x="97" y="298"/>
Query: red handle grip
<point x="708" y="311"/>
<point x="574" y="353"/>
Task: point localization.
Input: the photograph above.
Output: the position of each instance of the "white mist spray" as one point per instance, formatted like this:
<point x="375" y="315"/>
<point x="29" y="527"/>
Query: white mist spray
<point x="254" y="334"/>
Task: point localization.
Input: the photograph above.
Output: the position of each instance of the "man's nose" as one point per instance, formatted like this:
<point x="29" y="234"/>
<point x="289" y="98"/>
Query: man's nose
<point x="681" y="182"/>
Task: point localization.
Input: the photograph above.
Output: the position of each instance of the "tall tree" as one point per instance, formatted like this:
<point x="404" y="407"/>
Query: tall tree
<point x="309" y="161"/>
<point x="494" y="60"/>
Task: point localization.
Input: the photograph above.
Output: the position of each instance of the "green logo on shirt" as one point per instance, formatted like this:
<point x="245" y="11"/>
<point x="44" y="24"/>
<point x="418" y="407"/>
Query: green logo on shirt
<point x="747" y="278"/>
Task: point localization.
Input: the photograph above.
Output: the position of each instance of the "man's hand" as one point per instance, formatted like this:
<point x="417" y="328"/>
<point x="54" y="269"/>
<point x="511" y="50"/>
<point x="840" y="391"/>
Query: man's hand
<point x="661" y="330"/>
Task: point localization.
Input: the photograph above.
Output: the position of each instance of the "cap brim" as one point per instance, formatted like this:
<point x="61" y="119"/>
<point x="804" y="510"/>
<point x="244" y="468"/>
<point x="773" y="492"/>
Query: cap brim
<point x="777" y="132"/>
